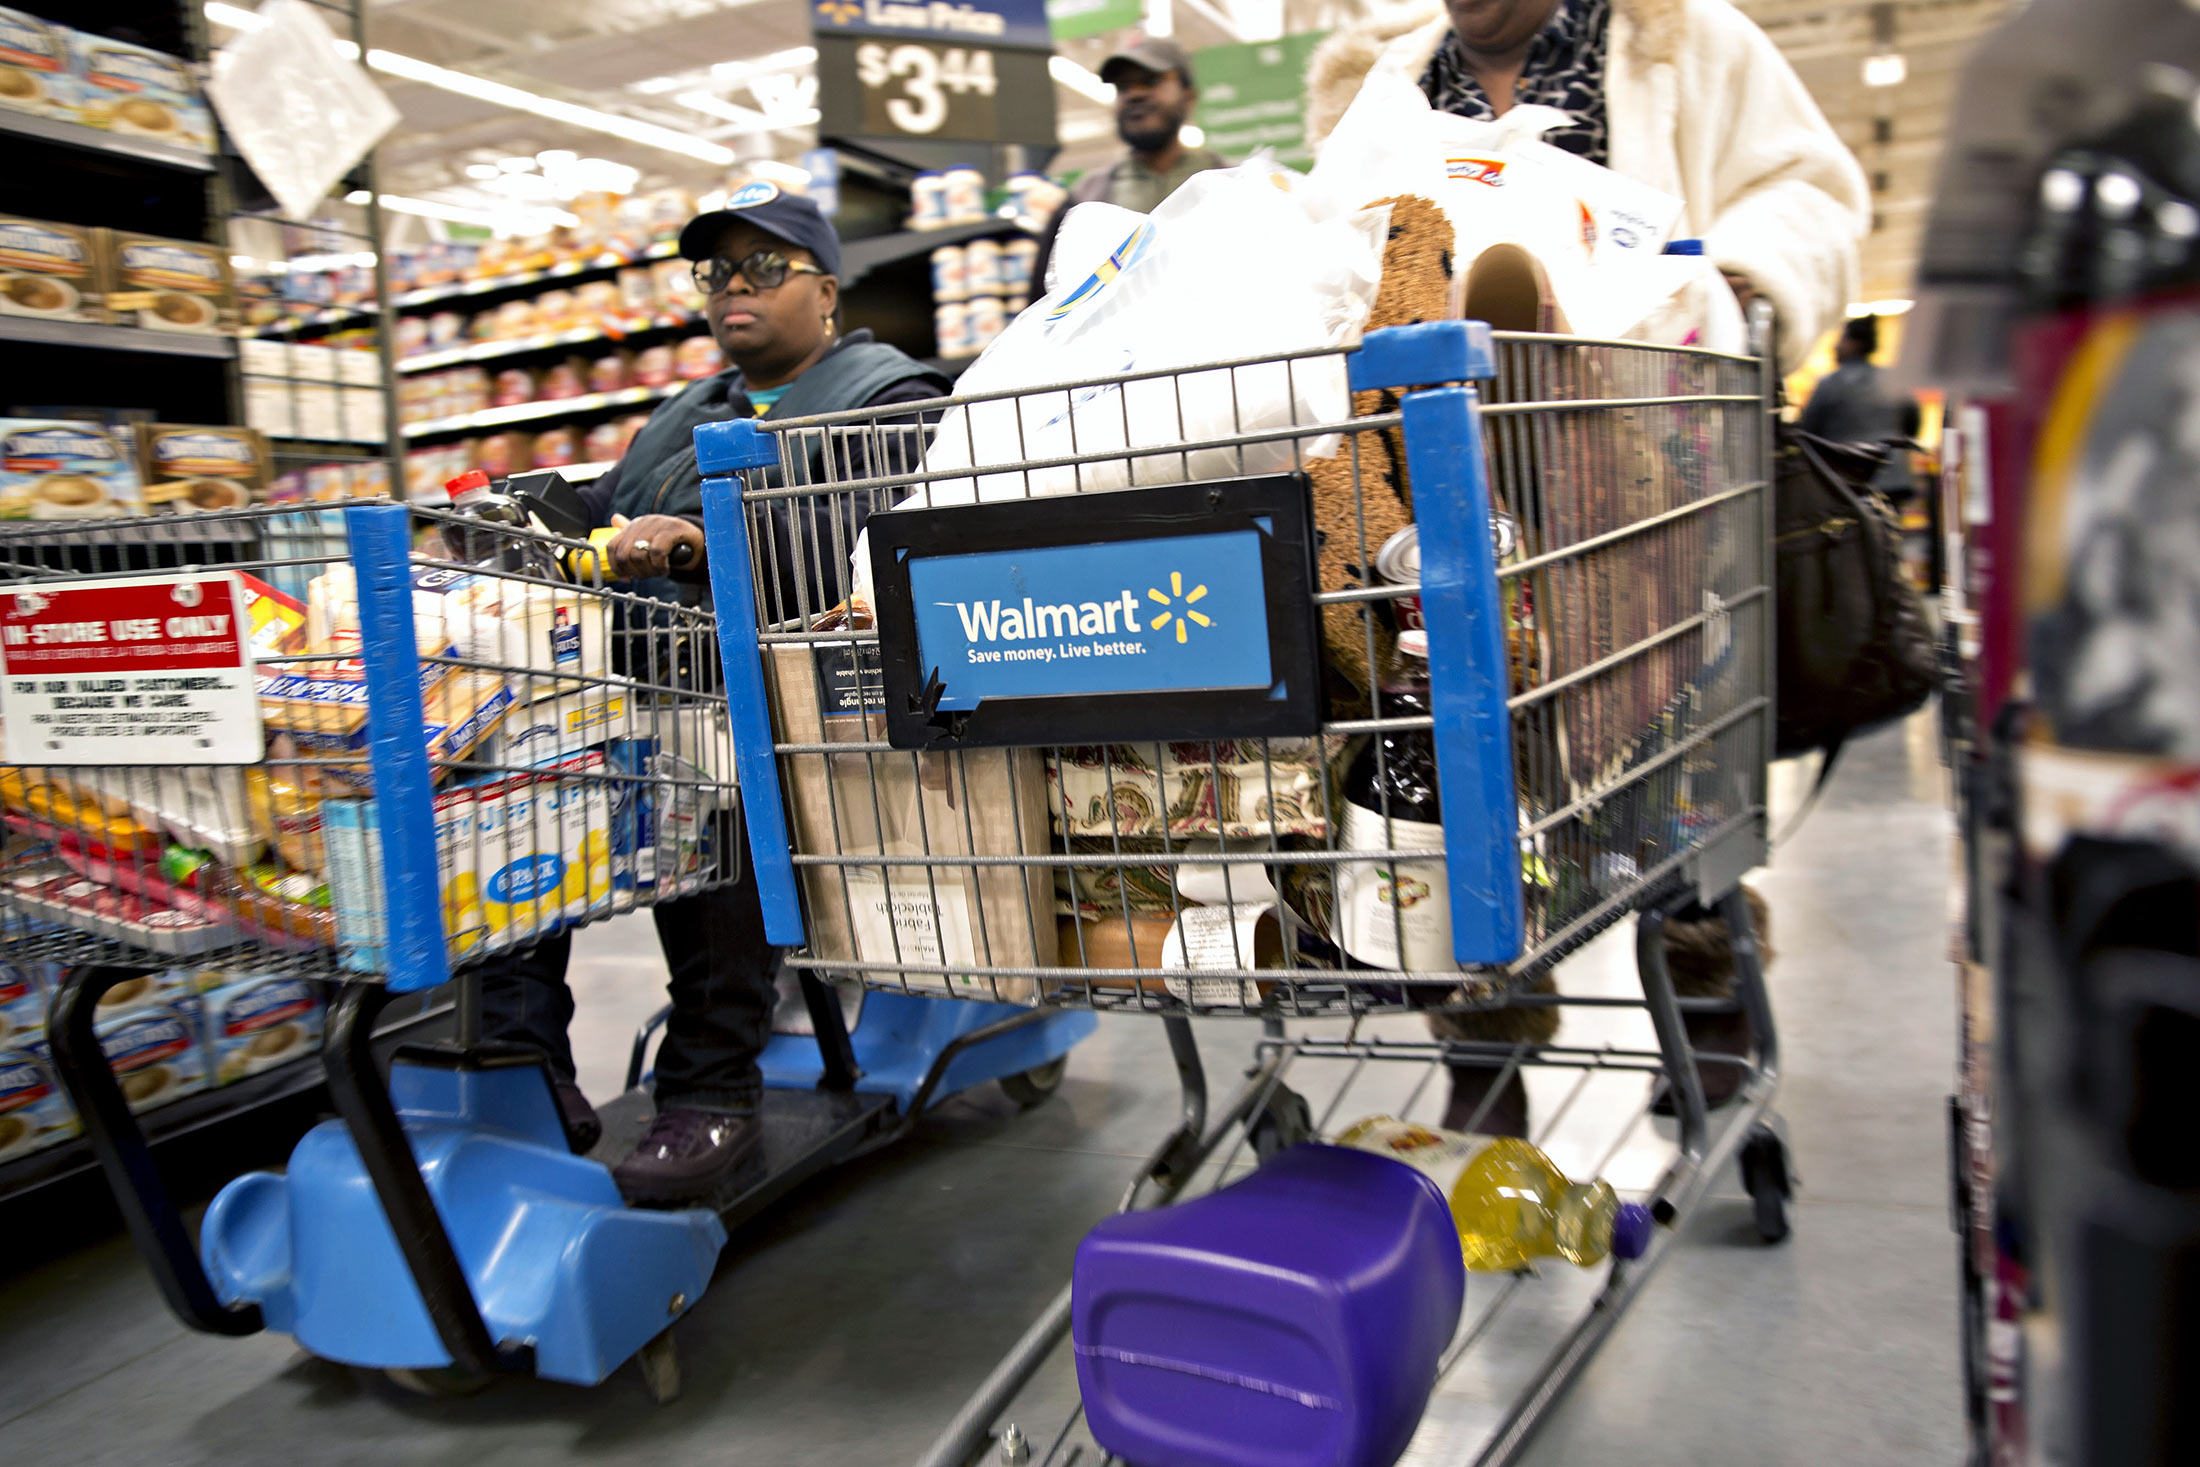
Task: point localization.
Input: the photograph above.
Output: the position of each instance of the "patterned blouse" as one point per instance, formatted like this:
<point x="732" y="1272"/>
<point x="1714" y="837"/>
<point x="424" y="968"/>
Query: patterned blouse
<point x="1564" y="69"/>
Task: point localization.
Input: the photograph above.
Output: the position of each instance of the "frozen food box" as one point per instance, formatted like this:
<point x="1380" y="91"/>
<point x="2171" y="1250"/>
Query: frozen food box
<point x="34" y="1110"/>
<point x="194" y="469"/>
<point x="144" y="991"/>
<point x="169" y="284"/>
<point x="48" y="270"/>
<point x="140" y="91"/>
<point x="258" y="1022"/>
<point x="61" y="469"/>
<point x="35" y="74"/>
<point x="275" y="624"/>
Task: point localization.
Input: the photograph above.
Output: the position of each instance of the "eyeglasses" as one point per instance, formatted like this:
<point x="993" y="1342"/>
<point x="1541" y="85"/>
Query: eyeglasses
<point x="764" y="270"/>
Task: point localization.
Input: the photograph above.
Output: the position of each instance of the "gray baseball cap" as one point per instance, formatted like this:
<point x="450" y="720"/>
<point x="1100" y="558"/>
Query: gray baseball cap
<point x="1153" y="54"/>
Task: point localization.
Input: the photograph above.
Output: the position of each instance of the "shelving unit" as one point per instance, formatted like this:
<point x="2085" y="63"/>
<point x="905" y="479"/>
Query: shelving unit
<point x="491" y="351"/>
<point x="437" y="294"/>
<point x="94" y="140"/>
<point x="83" y="176"/>
<point x="94" y="337"/>
<point x="535" y="412"/>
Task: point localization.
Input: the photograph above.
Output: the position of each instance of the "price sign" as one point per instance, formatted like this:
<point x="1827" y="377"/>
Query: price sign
<point x="151" y="670"/>
<point x="912" y="86"/>
<point x="924" y="89"/>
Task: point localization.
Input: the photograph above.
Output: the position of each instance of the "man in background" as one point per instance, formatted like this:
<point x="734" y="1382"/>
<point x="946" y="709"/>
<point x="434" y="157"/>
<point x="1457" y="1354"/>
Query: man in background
<point x="1154" y="97"/>
<point x="1851" y="404"/>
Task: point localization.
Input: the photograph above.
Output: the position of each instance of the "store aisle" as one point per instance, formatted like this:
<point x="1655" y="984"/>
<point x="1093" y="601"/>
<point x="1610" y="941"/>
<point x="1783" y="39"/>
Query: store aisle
<point x="846" y="1329"/>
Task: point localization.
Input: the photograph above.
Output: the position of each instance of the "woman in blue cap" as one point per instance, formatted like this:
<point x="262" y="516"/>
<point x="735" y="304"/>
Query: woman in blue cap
<point x="768" y="265"/>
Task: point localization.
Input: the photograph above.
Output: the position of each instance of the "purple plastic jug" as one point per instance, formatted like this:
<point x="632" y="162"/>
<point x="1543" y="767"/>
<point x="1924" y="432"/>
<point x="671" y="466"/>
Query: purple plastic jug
<point x="1293" y="1319"/>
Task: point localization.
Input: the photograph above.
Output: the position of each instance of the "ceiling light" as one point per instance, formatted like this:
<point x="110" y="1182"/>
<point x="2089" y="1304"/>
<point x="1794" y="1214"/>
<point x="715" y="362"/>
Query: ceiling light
<point x="1160" y="17"/>
<point x="1192" y="135"/>
<point x="512" y="221"/>
<point x="553" y="158"/>
<point x="1080" y="80"/>
<point x="483" y="170"/>
<point x="1887" y="70"/>
<point x="602" y="176"/>
<point x="1894" y="306"/>
<point x="785" y="174"/>
<point x="515" y="165"/>
<point x="747" y="119"/>
<point x="715" y="106"/>
<point x="730" y="71"/>
<point x="497" y="94"/>
<point x="357" y="196"/>
<point x="658" y="85"/>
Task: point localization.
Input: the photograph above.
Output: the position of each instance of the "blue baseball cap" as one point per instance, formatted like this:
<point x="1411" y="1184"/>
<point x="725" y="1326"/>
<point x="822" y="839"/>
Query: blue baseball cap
<point x="782" y="215"/>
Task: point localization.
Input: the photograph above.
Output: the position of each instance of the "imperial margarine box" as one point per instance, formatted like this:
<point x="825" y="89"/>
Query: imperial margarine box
<point x="140" y="91"/>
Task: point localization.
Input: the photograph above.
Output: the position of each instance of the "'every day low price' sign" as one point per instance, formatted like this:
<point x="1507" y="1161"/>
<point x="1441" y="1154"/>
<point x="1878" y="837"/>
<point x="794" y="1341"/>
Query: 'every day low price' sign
<point x="149" y="670"/>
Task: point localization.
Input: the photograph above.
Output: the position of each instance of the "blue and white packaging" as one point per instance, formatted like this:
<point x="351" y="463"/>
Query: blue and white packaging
<point x="34" y="1110"/>
<point x="661" y="827"/>
<point x="24" y="992"/>
<point x="257" y="1023"/>
<point x="156" y="1052"/>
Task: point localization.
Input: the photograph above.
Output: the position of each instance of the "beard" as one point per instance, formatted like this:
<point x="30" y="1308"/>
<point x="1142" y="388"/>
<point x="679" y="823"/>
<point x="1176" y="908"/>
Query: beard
<point x="1149" y="129"/>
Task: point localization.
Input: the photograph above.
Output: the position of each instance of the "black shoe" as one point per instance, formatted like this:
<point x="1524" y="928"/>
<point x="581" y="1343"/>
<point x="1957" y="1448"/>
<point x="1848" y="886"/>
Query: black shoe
<point x="583" y="1127"/>
<point x="685" y="1156"/>
<point x="1505" y="1114"/>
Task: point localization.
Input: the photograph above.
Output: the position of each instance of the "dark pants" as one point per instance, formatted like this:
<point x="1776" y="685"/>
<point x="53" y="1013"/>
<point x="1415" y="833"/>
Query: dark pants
<point x="721" y="986"/>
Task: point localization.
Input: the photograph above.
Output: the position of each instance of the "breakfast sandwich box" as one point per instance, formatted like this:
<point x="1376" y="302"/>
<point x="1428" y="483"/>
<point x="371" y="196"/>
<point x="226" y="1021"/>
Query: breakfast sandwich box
<point x="167" y="284"/>
<point x="193" y="469"/>
<point x="48" y="270"/>
<point x="258" y="1022"/>
<point x="63" y="469"/>
<point x="139" y="91"/>
<point x="35" y="73"/>
<point x="155" y="1050"/>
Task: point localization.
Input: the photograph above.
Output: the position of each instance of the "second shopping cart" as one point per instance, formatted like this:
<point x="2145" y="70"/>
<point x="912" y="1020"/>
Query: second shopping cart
<point x="1323" y="686"/>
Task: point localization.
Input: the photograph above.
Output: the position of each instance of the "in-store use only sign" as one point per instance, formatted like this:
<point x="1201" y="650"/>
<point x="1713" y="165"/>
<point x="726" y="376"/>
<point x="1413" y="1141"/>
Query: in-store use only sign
<point x="149" y="670"/>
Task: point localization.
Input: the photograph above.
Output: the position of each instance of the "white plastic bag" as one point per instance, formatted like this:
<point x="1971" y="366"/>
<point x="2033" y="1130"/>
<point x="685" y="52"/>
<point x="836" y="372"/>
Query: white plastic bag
<point x="1499" y="183"/>
<point x="300" y="111"/>
<point x="1240" y="263"/>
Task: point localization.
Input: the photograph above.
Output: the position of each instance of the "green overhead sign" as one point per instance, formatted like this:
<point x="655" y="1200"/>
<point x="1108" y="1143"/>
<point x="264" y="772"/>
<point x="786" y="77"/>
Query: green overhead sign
<point x="1072" y="19"/>
<point x="1253" y="95"/>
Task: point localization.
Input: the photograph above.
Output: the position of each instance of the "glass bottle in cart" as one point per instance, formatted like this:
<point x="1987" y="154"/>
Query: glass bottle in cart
<point x="1396" y="914"/>
<point x="1510" y="1205"/>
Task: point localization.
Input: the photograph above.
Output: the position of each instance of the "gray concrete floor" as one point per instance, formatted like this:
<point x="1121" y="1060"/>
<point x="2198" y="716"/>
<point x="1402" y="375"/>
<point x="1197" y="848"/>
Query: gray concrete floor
<point x="848" y="1327"/>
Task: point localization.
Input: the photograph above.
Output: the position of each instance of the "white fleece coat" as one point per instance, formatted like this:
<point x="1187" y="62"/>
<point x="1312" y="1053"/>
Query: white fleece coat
<point x="1703" y="106"/>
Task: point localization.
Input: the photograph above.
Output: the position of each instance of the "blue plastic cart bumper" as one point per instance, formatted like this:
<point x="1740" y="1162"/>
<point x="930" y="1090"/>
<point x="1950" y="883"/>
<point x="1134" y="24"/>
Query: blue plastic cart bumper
<point x="899" y="1035"/>
<point x="554" y="1256"/>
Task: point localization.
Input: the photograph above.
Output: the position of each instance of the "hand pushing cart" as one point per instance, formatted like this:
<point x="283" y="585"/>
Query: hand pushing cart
<point x="263" y="756"/>
<point x="1119" y="727"/>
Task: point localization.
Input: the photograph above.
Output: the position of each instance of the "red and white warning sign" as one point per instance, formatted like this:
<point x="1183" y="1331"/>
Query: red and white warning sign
<point x="150" y="670"/>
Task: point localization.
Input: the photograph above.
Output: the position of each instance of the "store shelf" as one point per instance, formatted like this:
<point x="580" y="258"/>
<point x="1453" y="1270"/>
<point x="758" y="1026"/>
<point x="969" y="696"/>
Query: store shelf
<point x="859" y="257"/>
<point x="335" y="316"/>
<point x="489" y="351"/>
<point x="301" y="1077"/>
<point x="115" y="338"/>
<point x="98" y="140"/>
<point x="662" y="250"/>
<point x="529" y="412"/>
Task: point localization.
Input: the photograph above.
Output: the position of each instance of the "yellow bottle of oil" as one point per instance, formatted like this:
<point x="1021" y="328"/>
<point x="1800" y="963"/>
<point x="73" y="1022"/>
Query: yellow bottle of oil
<point x="1510" y="1205"/>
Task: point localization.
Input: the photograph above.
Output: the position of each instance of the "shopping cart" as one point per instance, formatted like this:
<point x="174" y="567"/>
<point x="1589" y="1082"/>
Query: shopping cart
<point x="1593" y="574"/>
<point x="353" y="750"/>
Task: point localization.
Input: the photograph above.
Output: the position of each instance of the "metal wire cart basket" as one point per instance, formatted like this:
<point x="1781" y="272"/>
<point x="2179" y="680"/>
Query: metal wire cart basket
<point x="258" y="757"/>
<point x="1112" y="695"/>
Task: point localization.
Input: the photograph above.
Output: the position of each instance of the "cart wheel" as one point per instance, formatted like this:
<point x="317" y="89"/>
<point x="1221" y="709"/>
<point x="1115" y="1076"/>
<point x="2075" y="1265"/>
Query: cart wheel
<point x="1282" y="1123"/>
<point x="439" y="1382"/>
<point x="1765" y="1178"/>
<point x="659" y="1363"/>
<point x="1035" y="1084"/>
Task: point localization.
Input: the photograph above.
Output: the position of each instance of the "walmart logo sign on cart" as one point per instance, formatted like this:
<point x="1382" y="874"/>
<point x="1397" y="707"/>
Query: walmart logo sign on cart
<point x="1136" y="616"/>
